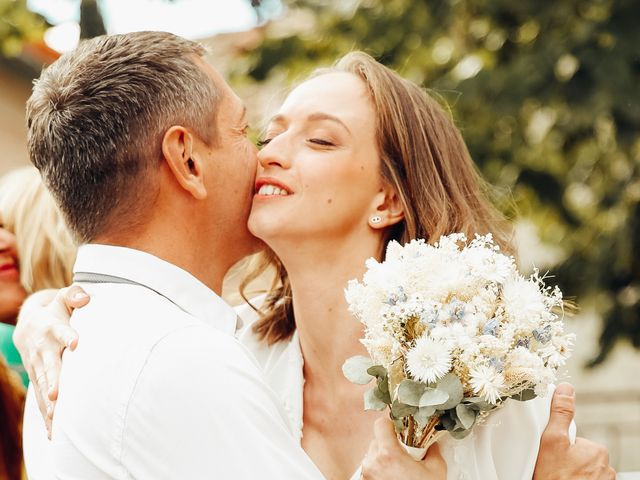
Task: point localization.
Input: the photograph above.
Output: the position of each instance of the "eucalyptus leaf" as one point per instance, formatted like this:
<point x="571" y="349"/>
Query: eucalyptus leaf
<point x="377" y="371"/>
<point x="398" y="423"/>
<point x="372" y="402"/>
<point x="456" y="421"/>
<point x="423" y="415"/>
<point x="432" y="397"/>
<point x="399" y="409"/>
<point x="410" y="391"/>
<point x="523" y="396"/>
<point x="466" y="415"/>
<point x="459" y="434"/>
<point x="451" y="384"/>
<point x="355" y="369"/>
<point x="382" y="390"/>
<point x="382" y="395"/>
<point x="481" y="405"/>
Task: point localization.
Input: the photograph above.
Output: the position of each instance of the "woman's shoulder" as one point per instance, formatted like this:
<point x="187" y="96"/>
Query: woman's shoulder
<point x="266" y="354"/>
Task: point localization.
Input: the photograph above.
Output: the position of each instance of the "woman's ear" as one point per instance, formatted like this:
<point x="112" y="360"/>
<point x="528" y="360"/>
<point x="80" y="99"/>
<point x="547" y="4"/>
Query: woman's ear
<point x="177" y="149"/>
<point x="388" y="209"/>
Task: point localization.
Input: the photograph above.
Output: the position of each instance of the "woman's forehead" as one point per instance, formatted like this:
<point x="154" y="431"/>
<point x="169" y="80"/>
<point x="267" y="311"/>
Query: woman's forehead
<point x="337" y="94"/>
<point x="332" y="88"/>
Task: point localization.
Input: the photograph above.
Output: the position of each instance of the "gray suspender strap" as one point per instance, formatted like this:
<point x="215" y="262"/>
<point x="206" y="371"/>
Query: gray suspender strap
<point x="87" y="277"/>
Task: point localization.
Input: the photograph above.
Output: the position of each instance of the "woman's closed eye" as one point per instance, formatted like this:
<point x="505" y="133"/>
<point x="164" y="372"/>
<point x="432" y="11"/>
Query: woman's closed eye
<point x="262" y="142"/>
<point x="321" y="142"/>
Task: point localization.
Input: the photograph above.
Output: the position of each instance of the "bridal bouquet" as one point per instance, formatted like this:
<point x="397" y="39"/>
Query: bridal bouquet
<point x="453" y="331"/>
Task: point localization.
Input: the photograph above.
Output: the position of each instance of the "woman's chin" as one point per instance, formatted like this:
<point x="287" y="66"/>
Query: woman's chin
<point x="262" y="228"/>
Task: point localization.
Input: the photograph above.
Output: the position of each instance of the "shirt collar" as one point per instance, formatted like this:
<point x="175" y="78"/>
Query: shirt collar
<point x="173" y="282"/>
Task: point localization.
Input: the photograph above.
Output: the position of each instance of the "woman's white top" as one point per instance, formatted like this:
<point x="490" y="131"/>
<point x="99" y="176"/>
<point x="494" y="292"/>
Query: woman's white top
<point x="504" y="447"/>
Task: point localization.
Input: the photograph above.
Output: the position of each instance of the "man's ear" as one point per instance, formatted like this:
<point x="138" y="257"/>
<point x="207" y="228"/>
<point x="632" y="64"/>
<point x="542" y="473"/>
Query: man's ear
<point x="177" y="149"/>
<point x="387" y="208"/>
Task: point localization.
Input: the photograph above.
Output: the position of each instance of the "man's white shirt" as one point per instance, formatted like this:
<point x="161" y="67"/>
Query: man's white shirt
<point x="158" y="388"/>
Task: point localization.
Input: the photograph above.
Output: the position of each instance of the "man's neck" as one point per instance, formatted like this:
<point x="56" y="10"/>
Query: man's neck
<point x="184" y="253"/>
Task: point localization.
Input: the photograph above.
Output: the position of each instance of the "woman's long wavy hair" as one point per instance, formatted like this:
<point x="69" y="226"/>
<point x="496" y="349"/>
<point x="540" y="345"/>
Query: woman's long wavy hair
<point x="425" y="159"/>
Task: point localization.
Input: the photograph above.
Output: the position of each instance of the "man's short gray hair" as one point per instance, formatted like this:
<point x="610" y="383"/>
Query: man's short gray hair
<point x="97" y="117"/>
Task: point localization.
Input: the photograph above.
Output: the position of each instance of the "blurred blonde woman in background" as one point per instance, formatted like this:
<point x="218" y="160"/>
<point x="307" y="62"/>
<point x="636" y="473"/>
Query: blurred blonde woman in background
<point x="36" y="252"/>
<point x="46" y="248"/>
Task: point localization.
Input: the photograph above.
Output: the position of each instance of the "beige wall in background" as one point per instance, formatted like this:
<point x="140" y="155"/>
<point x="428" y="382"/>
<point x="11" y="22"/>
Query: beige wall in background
<point x="14" y="92"/>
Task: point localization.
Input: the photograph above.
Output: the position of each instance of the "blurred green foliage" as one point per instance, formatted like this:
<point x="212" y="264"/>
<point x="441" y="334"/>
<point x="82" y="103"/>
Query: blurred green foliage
<point x="18" y="25"/>
<point x="547" y="95"/>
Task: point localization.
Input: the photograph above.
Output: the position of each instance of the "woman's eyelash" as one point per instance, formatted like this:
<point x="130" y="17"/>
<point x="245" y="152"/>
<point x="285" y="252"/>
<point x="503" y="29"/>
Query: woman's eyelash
<point x="319" y="141"/>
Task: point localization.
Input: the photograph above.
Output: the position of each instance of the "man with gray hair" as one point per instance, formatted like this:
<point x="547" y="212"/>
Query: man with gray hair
<point x="144" y="147"/>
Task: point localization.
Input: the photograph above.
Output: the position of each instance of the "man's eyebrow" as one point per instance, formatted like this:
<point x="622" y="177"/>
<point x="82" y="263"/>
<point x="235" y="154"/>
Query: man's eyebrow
<point x="314" y="117"/>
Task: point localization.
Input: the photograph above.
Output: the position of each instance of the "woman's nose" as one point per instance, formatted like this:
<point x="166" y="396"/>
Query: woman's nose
<point x="274" y="154"/>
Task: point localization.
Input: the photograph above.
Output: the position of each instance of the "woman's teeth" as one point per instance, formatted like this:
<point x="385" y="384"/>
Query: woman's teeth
<point x="271" y="190"/>
<point x="7" y="261"/>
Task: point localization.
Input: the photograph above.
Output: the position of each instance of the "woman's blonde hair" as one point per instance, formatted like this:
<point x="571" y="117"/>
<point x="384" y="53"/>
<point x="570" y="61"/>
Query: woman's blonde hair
<point x="424" y="158"/>
<point x="45" y="247"/>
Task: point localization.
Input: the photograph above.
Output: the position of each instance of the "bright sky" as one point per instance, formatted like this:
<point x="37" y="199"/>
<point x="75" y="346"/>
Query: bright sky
<point x="193" y="19"/>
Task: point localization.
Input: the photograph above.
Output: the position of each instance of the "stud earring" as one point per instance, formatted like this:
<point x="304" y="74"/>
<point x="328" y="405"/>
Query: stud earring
<point x="375" y="219"/>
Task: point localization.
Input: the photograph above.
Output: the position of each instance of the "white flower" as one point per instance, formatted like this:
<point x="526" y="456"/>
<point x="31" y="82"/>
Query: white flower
<point x="524" y="367"/>
<point x="488" y="383"/>
<point x="523" y="301"/>
<point x="428" y="360"/>
<point x="383" y="348"/>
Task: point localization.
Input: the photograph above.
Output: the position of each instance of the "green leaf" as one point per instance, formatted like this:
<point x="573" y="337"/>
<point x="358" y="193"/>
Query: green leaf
<point x="382" y="390"/>
<point x="523" y="396"/>
<point x="382" y="395"/>
<point x="410" y="391"/>
<point x="432" y="397"/>
<point x="377" y="371"/>
<point x="459" y="434"/>
<point x="399" y="409"/>
<point x="451" y="384"/>
<point x="466" y="415"/>
<point x="372" y="402"/>
<point x="423" y="415"/>
<point x="398" y="423"/>
<point x="479" y="404"/>
<point x="355" y="369"/>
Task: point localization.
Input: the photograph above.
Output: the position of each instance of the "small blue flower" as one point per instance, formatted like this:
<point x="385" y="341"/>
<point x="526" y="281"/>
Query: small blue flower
<point x="497" y="364"/>
<point x="459" y="310"/>
<point x="397" y="297"/>
<point x="544" y="335"/>
<point x="490" y="327"/>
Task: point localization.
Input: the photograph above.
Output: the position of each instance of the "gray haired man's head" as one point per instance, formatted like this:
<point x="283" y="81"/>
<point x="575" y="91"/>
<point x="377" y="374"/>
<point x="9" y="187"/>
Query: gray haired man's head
<point x="97" y="117"/>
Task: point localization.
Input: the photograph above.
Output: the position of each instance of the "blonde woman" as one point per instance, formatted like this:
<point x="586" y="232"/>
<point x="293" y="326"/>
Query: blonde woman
<point x="36" y="253"/>
<point x="357" y="156"/>
<point x="46" y="249"/>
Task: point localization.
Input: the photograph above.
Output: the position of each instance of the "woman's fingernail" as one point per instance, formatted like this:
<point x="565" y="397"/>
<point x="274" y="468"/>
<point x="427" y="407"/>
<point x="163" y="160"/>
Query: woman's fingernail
<point x="70" y="342"/>
<point x="79" y="296"/>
